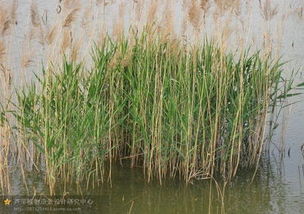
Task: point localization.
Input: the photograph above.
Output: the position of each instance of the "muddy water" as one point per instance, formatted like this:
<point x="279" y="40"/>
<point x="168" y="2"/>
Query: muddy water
<point x="275" y="25"/>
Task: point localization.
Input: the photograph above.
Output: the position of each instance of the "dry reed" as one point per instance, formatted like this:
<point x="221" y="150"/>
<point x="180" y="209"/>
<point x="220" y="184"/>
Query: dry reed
<point x="5" y="128"/>
<point x="195" y="15"/>
<point x="204" y="4"/>
<point x="51" y="35"/>
<point x="2" y="51"/>
<point x="70" y="17"/>
<point x="35" y="18"/>
<point x="66" y="40"/>
<point x="267" y="10"/>
<point x="228" y="5"/>
<point x="152" y="11"/>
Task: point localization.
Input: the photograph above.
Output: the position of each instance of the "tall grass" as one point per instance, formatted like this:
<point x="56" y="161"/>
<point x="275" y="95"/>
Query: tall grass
<point x="5" y="135"/>
<point x="5" y="129"/>
<point x="175" y="110"/>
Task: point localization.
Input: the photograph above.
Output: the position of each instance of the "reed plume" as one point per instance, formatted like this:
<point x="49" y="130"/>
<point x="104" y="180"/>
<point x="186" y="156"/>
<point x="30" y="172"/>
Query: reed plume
<point x="166" y="28"/>
<point x="231" y="5"/>
<point x="204" y="5"/>
<point x="267" y="10"/>
<point x="35" y="19"/>
<point x="27" y="58"/>
<point x="70" y="17"/>
<point x="195" y="15"/>
<point x="51" y="34"/>
<point x="75" y="50"/>
<point x="14" y="8"/>
<point x="152" y="11"/>
<point x="66" y="40"/>
<point x="5" y="21"/>
<point x="2" y="51"/>
<point x="70" y="4"/>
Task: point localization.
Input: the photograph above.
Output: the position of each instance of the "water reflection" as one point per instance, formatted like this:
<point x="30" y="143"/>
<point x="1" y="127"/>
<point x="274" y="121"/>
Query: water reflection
<point x="267" y="193"/>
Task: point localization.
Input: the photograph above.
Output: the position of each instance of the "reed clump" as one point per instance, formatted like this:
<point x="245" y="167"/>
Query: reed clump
<point x="176" y="110"/>
<point x="5" y="128"/>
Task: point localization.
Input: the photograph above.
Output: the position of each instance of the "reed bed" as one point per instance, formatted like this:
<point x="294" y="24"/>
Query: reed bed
<point x="5" y="134"/>
<point x="193" y="112"/>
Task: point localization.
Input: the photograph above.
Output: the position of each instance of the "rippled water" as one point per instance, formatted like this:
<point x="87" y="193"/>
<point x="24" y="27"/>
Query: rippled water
<point x="278" y="187"/>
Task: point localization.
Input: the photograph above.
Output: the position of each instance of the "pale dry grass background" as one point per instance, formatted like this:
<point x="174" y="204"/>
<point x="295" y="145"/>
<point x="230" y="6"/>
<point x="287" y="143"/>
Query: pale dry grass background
<point x="70" y="28"/>
<point x="117" y="16"/>
<point x="77" y="24"/>
<point x="7" y="22"/>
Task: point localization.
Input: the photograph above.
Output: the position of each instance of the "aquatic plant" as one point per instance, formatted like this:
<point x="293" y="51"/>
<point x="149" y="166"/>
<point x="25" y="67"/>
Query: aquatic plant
<point x="173" y="109"/>
<point x="4" y="152"/>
